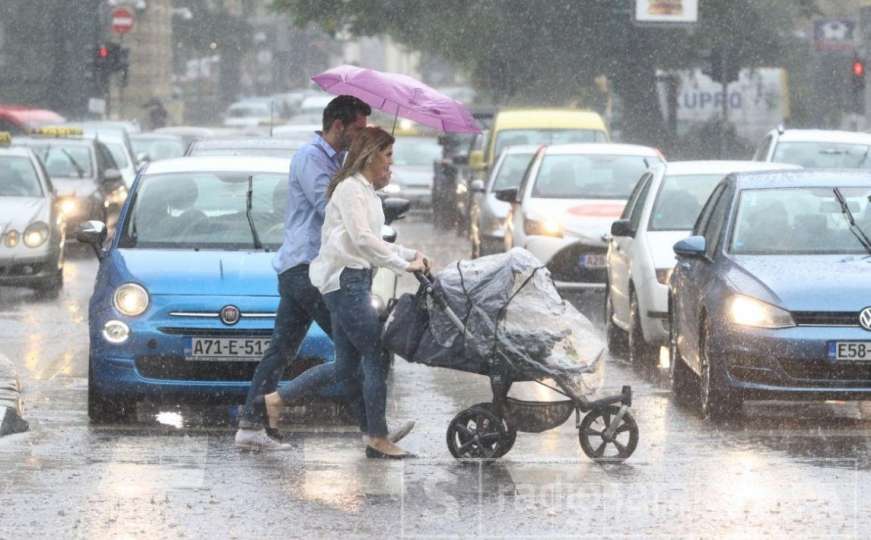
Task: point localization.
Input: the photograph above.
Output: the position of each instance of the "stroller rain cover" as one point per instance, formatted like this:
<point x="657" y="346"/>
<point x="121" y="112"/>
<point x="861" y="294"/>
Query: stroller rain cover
<point x="506" y="301"/>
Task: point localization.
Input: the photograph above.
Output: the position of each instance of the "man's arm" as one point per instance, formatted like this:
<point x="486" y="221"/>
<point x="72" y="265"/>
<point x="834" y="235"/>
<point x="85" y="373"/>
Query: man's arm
<point x="313" y="179"/>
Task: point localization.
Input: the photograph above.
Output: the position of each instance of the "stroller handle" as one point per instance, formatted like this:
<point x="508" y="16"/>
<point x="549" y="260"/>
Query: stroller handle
<point x="423" y="278"/>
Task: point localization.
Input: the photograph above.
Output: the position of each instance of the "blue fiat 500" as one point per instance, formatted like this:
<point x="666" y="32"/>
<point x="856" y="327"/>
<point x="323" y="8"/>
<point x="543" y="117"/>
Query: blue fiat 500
<point x="186" y="295"/>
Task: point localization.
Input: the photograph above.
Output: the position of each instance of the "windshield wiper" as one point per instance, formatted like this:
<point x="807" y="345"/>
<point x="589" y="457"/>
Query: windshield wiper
<point x="854" y="228"/>
<point x="79" y="169"/>
<point x="248" y="199"/>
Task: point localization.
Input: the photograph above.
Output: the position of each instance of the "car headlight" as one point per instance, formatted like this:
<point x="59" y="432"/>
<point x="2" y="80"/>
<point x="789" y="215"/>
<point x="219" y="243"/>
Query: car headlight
<point x="663" y="275"/>
<point x="36" y="234"/>
<point x="70" y="206"/>
<point x="131" y="299"/>
<point x="391" y="189"/>
<point x="543" y="227"/>
<point x="11" y="238"/>
<point x="747" y="311"/>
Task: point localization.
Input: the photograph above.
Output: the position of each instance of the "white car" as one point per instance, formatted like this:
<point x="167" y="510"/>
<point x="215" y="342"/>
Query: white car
<point x="31" y="225"/>
<point x="564" y="207"/>
<point x="413" y="169"/>
<point x="662" y="210"/>
<point x="816" y="148"/>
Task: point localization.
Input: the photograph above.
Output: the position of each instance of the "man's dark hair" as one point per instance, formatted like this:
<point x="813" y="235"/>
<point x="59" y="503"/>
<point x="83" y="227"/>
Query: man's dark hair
<point x="346" y="109"/>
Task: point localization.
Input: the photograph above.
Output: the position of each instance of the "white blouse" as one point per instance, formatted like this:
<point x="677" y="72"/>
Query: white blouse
<point x="351" y="236"/>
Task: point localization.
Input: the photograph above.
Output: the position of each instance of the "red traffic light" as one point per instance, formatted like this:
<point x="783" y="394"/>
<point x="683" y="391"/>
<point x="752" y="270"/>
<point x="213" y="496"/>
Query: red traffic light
<point x="858" y="68"/>
<point x="103" y="52"/>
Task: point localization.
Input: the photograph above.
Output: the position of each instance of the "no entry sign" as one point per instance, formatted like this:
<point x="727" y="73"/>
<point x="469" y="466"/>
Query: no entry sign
<point x="122" y="20"/>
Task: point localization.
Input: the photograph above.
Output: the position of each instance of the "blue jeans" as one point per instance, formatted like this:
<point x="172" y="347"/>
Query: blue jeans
<point x="357" y="337"/>
<point x="300" y="304"/>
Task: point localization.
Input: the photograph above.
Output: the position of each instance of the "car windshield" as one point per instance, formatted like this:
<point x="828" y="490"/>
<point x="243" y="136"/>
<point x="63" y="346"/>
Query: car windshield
<point x="823" y="155"/>
<point x="520" y="137"/>
<point x="18" y="178"/>
<point x="510" y="173"/>
<point x="679" y="201"/>
<point x="118" y="153"/>
<point x="158" y="149"/>
<point x="248" y="110"/>
<point x="65" y="160"/>
<point x="416" y="151"/>
<point x="799" y="221"/>
<point x="206" y="210"/>
<point x="574" y="176"/>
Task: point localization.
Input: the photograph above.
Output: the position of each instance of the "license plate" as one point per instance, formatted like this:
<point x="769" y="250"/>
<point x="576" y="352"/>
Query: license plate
<point x="226" y="349"/>
<point x="856" y="351"/>
<point x="592" y="261"/>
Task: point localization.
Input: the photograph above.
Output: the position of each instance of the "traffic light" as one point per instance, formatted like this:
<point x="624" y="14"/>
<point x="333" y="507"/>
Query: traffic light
<point x="106" y="59"/>
<point x="857" y="84"/>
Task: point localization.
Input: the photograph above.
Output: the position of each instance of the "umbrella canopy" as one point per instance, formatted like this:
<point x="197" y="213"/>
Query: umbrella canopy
<point x="399" y="95"/>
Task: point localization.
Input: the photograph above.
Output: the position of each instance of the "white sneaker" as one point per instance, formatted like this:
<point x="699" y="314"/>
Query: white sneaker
<point x="257" y="439"/>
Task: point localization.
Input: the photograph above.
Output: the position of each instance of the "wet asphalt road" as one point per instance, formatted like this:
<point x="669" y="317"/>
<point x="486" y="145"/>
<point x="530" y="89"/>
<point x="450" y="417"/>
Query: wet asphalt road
<point x="783" y="470"/>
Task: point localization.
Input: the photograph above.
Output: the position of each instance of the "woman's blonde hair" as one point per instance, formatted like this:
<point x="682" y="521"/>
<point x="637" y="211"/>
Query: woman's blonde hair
<point x="368" y="141"/>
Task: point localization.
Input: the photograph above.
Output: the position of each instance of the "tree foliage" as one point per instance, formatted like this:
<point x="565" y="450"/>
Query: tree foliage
<point x="549" y="51"/>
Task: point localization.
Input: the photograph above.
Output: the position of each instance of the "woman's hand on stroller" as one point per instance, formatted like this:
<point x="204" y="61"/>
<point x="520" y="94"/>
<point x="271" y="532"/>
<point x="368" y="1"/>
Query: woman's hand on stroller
<point x="419" y="264"/>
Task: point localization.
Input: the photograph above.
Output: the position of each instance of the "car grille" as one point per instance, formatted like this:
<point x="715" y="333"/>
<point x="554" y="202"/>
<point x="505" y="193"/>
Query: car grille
<point x="21" y="270"/>
<point x="826" y="318"/>
<point x="822" y="370"/>
<point x="565" y="266"/>
<point x="177" y="368"/>
<point x="216" y="332"/>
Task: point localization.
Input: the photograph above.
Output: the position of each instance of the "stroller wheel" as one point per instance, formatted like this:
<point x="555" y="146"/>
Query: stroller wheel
<point x="510" y="430"/>
<point x="477" y="433"/>
<point x="596" y="443"/>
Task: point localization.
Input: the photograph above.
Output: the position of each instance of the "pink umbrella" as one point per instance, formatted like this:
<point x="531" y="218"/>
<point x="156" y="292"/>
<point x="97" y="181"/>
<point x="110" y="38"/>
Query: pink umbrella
<point x="399" y="95"/>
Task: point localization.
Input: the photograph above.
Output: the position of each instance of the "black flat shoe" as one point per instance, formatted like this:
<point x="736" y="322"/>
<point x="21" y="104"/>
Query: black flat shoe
<point x="276" y="435"/>
<point x="372" y="453"/>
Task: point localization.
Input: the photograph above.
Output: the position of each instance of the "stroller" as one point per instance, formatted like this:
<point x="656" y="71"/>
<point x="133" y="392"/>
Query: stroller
<point x="501" y="316"/>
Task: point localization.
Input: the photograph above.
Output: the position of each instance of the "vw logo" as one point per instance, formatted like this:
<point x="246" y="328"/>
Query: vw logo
<point x="230" y="315"/>
<point x="865" y="318"/>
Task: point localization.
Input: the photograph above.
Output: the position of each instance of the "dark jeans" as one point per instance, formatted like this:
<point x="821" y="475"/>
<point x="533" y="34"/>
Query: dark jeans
<point x="300" y="304"/>
<point x="354" y="321"/>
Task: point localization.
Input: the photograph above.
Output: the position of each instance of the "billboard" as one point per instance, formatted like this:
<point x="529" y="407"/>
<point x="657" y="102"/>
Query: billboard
<point x="667" y="11"/>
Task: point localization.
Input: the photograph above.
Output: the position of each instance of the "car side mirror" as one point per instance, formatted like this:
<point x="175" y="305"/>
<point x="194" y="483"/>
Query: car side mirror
<point x="692" y="247"/>
<point x="506" y="195"/>
<point x="111" y="176"/>
<point x="142" y="157"/>
<point x="394" y="208"/>
<point x="622" y="227"/>
<point x="476" y="160"/>
<point x="388" y="234"/>
<point x="477" y="186"/>
<point x="92" y="233"/>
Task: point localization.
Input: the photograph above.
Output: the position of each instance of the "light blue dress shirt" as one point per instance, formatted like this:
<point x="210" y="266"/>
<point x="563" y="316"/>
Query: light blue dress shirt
<point x="311" y="169"/>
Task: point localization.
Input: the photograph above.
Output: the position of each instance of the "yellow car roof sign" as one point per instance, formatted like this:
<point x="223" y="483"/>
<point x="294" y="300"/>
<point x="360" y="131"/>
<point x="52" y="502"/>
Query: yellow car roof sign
<point x="58" y="132"/>
<point x="5" y="138"/>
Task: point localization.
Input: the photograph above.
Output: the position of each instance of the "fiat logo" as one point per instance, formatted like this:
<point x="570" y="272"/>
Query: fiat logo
<point x="865" y="318"/>
<point x="230" y="315"/>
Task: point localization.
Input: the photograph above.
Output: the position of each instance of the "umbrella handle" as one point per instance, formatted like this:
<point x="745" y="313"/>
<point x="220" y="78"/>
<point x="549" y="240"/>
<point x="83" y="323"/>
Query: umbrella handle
<point x="395" y="118"/>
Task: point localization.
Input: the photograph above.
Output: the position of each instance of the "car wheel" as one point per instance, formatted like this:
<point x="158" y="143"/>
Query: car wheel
<point x="641" y="353"/>
<point x="616" y="337"/>
<point x="683" y="380"/>
<point x="716" y="400"/>
<point x="104" y="410"/>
